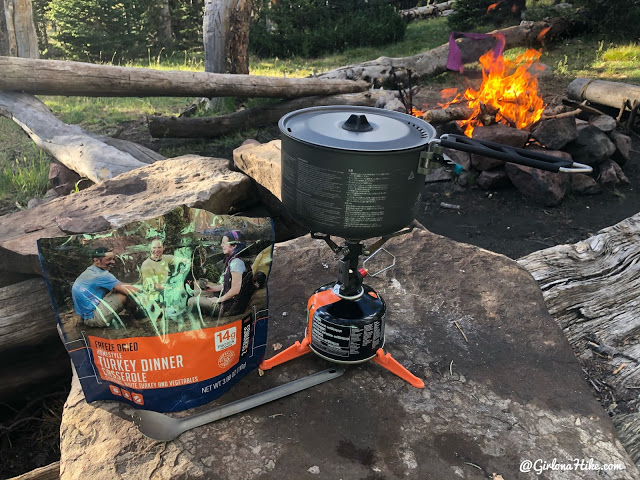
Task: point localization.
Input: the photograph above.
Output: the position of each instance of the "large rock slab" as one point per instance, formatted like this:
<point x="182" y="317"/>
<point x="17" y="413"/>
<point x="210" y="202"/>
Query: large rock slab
<point x="509" y="391"/>
<point x="147" y="192"/>
<point x="556" y="133"/>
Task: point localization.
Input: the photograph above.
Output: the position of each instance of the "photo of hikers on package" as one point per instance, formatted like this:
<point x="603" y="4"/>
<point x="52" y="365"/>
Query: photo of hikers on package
<point x="184" y="271"/>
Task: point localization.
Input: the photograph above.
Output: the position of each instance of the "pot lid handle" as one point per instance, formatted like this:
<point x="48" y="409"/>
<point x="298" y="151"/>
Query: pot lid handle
<point x="357" y="123"/>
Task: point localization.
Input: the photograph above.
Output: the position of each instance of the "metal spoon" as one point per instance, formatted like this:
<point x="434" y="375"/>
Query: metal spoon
<point x="164" y="428"/>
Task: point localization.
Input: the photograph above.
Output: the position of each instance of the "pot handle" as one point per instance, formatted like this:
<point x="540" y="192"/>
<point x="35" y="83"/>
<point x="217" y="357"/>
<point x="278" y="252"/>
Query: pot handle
<point x="506" y="153"/>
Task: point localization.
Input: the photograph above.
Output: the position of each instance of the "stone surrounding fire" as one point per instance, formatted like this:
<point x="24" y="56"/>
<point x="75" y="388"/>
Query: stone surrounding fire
<point x="583" y="141"/>
<point x="594" y="142"/>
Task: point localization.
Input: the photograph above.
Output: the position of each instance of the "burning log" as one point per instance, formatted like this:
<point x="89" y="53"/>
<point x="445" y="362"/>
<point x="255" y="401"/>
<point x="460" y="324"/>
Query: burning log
<point x="449" y="114"/>
<point x="210" y="127"/>
<point x="55" y="77"/>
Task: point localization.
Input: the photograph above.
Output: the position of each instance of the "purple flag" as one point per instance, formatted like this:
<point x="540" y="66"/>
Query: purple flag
<point x="454" y="61"/>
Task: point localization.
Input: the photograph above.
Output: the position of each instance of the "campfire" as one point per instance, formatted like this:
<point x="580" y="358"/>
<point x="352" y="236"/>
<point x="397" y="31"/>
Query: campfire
<point x="506" y="108"/>
<point x="508" y="93"/>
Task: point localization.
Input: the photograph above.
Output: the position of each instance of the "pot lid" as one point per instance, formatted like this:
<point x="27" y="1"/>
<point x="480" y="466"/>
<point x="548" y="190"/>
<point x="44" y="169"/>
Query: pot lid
<point x="363" y="129"/>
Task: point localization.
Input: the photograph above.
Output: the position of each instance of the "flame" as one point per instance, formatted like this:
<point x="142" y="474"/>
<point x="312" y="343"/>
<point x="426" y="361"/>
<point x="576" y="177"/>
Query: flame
<point x="542" y="33"/>
<point x="416" y="112"/>
<point x="508" y="90"/>
<point x="493" y="6"/>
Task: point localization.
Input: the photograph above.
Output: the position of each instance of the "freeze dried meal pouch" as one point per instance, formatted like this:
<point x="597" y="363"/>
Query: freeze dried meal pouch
<point x="163" y="314"/>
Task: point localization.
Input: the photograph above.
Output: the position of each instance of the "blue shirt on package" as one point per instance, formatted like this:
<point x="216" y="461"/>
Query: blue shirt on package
<point x="89" y="288"/>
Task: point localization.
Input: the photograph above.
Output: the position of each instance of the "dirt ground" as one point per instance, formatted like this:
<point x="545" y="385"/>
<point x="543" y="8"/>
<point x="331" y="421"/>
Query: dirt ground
<point x="502" y="221"/>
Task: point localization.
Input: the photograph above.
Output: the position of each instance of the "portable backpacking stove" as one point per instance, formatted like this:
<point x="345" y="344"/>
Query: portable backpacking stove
<point x="346" y="318"/>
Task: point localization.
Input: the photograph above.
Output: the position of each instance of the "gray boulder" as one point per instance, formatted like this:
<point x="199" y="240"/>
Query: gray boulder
<point x="556" y="133"/>
<point x="142" y="193"/>
<point x="505" y="392"/>
<point x="592" y="146"/>
<point x="584" y="184"/>
<point x="489" y="179"/>
<point x="611" y="175"/>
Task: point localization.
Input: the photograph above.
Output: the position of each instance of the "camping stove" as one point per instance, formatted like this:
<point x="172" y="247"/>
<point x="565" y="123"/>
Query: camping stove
<point x="345" y="318"/>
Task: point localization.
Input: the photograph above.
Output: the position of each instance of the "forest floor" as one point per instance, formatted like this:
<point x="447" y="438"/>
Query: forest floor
<point x="502" y="221"/>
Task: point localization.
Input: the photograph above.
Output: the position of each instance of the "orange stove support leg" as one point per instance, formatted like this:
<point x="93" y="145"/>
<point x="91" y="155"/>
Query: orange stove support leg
<point x="388" y="362"/>
<point x="294" y="351"/>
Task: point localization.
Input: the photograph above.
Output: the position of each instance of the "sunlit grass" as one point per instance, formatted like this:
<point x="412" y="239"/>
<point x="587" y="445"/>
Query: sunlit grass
<point x="100" y="114"/>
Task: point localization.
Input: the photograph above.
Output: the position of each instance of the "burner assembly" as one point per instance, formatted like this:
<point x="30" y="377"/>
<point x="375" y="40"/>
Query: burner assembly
<point x="357" y="173"/>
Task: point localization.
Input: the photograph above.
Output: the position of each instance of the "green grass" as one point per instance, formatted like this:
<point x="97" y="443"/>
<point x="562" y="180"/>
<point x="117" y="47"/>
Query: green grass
<point x="23" y="166"/>
<point x="420" y="36"/>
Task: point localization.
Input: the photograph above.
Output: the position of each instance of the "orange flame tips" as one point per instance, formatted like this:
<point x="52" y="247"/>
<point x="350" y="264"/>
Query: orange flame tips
<point x="493" y="6"/>
<point x="448" y="92"/>
<point x="541" y="35"/>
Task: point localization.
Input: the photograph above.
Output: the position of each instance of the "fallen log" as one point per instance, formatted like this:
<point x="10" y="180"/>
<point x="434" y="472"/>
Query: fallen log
<point x="591" y="288"/>
<point x="210" y="127"/>
<point x="56" y="77"/>
<point x="48" y="472"/>
<point x="426" y="11"/>
<point x="30" y="349"/>
<point x="90" y="155"/>
<point x="611" y="94"/>
<point x="26" y="316"/>
<point x="431" y="63"/>
<point x="144" y="193"/>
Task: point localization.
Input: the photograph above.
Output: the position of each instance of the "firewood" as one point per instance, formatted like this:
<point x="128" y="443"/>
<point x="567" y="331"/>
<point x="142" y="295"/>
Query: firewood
<point x="49" y="472"/>
<point x="445" y="115"/>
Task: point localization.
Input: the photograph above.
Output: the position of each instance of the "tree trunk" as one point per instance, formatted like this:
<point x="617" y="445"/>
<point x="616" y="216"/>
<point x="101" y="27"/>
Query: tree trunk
<point x="385" y="70"/>
<point x="591" y="288"/>
<point x="226" y="38"/>
<point x="165" y="31"/>
<point x="211" y="127"/>
<point x="217" y="15"/>
<point x="49" y="472"/>
<point x="4" y="34"/>
<point x="55" y="77"/>
<point x="18" y="38"/>
<point x="238" y="41"/>
<point x="89" y="155"/>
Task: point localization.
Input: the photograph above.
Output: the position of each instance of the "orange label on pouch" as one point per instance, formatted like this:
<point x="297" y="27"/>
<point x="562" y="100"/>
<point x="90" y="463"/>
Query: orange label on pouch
<point x="162" y="362"/>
